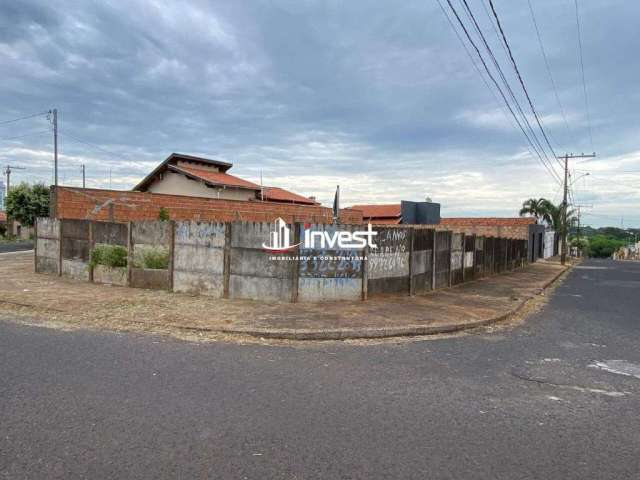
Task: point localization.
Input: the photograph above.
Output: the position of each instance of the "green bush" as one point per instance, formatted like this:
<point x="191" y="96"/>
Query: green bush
<point x="154" y="258"/>
<point x="109" y="255"/>
<point x="603" y="247"/>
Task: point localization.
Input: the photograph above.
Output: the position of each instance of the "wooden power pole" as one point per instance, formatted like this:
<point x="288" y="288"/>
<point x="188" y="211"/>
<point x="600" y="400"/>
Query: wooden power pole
<point x="566" y="157"/>
<point x="7" y="171"/>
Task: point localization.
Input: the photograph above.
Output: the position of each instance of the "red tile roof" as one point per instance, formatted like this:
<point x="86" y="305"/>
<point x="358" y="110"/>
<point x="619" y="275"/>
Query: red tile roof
<point x="379" y="211"/>
<point x="215" y="178"/>
<point x="383" y="221"/>
<point x="276" y="194"/>
<point x="3" y="216"/>
<point x="488" y="221"/>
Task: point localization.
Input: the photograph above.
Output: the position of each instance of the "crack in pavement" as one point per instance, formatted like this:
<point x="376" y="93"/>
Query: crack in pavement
<point x="539" y="381"/>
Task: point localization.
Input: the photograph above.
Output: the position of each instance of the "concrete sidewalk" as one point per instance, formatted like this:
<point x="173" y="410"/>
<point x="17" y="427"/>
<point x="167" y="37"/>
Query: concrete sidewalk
<point x="71" y="303"/>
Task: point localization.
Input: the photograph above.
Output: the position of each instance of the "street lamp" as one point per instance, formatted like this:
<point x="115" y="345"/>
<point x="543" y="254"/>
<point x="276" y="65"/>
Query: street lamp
<point x="578" y="178"/>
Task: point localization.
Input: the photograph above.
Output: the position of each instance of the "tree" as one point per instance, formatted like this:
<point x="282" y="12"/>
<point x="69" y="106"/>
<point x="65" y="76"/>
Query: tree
<point x="533" y="207"/>
<point x="25" y="203"/>
<point x="603" y="247"/>
<point x="552" y="214"/>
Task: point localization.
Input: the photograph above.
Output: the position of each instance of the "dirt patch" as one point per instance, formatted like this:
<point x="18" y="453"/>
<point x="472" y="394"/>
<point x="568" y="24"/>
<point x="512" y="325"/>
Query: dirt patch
<point x="64" y="303"/>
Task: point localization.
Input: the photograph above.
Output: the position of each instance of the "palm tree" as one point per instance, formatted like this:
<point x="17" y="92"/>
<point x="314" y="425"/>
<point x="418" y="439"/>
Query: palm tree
<point x="533" y="207"/>
<point x="552" y="214"/>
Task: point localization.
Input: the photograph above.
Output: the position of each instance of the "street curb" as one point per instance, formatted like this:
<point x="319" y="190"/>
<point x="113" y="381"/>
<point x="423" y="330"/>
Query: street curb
<point x="372" y="333"/>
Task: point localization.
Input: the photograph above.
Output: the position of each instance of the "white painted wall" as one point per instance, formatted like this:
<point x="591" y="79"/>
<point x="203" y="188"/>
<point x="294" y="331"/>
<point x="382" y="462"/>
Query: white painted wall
<point x="549" y="236"/>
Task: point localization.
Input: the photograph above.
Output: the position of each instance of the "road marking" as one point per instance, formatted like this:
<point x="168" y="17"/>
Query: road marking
<point x="621" y="367"/>
<point x="586" y="267"/>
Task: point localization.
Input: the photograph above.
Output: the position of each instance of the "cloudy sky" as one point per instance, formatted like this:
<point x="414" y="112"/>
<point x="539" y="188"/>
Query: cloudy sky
<point x="379" y="97"/>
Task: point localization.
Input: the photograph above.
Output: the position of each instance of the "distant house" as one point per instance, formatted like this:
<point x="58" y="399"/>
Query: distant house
<point x="192" y="176"/>
<point x="406" y="212"/>
<point x="18" y="230"/>
<point x="388" y="214"/>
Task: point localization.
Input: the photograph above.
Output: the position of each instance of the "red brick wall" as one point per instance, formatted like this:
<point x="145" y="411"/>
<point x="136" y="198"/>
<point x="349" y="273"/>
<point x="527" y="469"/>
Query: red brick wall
<point x="121" y="206"/>
<point x="517" y="231"/>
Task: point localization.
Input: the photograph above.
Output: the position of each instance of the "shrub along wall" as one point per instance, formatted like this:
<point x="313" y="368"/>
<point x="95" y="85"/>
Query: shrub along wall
<point x="227" y="260"/>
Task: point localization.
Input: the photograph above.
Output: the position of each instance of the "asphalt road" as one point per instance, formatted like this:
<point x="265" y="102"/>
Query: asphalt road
<point x="15" y="246"/>
<point x="555" y="398"/>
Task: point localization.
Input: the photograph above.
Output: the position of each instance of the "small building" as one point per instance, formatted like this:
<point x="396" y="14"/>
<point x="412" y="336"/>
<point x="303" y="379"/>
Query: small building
<point x="192" y="176"/>
<point x="405" y="212"/>
<point x="14" y="228"/>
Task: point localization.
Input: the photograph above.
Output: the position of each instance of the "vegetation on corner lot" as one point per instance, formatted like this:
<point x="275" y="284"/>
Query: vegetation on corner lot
<point x="602" y="246"/>
<point x="109" y="255"/>
<point x="115" y="256"/>
<point x="153" y="258"/>
<point x="592" y="242"/>
<point x="25" y="203"/>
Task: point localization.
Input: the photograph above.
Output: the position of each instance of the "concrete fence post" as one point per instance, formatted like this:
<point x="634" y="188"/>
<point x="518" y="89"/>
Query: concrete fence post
<point x="411" y="246"/>
<point x="433" y="260"/>
<point x="91" y="246"/>
<point x="60" y="239"/>
<point x="493" y="255"/>
<point x="35" y="246"/>
<point x="129" y="252"/>
<point x="295" y="267"/>
<point x="464" y="254"/>
<point x="172" y="251"/>
<point x="226" y="266"/>
<point x="450" y="255"/>
<point x="365" y="273"/>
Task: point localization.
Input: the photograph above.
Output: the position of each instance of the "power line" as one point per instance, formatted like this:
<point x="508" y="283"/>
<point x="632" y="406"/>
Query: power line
<point x="497" y="86"/>
<point x="66" y="134"/>
<point x="13" y="120"/>
<point x="524" y="88"/>
<point x="477" y="69"/>
<point x="26" y="135"/>
<point x="507" y="85"/>
<point x="584" y="83"/>
<point x="546" y="62"/>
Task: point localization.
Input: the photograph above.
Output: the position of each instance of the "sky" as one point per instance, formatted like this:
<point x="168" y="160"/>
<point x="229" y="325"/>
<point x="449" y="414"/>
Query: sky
<point x="378" y="97"/>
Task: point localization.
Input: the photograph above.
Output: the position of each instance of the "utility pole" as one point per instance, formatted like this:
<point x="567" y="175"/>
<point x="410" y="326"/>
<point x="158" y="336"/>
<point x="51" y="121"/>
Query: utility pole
<point x="53" y="115"/>
<point x="83" y="177"/>
<point x="7" y="171"/>
<point x="566" y="157"/>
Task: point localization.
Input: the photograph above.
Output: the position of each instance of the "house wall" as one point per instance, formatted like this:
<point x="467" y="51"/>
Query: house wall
<point x="123" y="206"/>
<point x="173" y="183"/>
<point x="227" y="260"/>
<point x="549" y="243"/>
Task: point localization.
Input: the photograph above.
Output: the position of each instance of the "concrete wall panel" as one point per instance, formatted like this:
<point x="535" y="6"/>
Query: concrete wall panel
<point x="258" y="263"/>
<point x="323" y="289"/>
<point x="202" y="283"/>
<point x="110" y="276"/>
<point x="46" y="265"/>
<point x="48" y="227"/>
<point x="150" y="278"/>
<point x="47" y="248"/>
<point x="76" y="269"/>
<point x="252" y="234"/>
<point x="261" y="288"/>
<point x="151" y="233"/>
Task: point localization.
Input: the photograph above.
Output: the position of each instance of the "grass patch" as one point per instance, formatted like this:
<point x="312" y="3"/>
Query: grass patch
<point x="109" y="255"/>
<point x="156" y="258"/>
